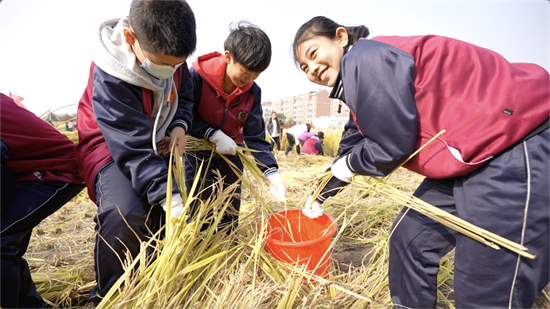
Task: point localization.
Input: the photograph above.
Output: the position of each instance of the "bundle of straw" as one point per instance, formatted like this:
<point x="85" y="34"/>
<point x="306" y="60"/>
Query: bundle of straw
<point x="379" y="185"/>
<point x="210" y="269"/>
<point x="189" y="263"/>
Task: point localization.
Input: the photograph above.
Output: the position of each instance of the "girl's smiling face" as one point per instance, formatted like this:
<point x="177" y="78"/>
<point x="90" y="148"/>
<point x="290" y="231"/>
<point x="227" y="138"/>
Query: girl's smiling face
<point x="319" y="57"/>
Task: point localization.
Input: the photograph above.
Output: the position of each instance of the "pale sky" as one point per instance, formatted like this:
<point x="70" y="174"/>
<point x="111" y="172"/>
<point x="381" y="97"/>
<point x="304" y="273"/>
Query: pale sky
<point x="45" y="45"/>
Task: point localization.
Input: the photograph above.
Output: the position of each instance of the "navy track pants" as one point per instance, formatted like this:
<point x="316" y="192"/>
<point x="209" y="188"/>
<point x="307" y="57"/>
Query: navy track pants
<point x="124" y="219"/>
<point x="508" y="196"/>
<point x="29" y="204"/>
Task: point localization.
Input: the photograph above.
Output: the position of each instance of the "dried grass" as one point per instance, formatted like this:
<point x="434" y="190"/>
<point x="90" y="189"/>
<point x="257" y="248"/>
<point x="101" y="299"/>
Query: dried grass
<point x="209" y="269"/>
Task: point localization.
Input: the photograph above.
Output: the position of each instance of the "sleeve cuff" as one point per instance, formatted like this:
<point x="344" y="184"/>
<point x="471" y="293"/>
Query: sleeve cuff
<point x="270" y="170"/>
<point x="333" y="187"/>
<point x="179" y="123"/>
<point x="209" y="132"/>
<point x="348" y="164"/>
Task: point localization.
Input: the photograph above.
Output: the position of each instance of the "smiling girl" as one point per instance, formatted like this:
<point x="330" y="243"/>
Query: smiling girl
<point x="490" y="167"/>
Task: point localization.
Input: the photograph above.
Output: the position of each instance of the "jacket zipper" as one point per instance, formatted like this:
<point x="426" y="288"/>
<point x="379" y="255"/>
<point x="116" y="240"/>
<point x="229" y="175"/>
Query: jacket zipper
<point x="224" y="116"/>
<point x="225" y="112"/>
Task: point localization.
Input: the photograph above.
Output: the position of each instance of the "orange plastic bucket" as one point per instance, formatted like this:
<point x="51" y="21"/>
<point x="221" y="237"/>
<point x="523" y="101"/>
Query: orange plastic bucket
<point x="295" y="238"/>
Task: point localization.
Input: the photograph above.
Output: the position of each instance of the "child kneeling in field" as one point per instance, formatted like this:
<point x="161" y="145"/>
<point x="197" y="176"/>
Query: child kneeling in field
<point x="134" y="98"/>
<point x="228" y="112"/>
<point x="490" y="167"/>
<point x="39" y="175"/>
<point x="314" y="145"/>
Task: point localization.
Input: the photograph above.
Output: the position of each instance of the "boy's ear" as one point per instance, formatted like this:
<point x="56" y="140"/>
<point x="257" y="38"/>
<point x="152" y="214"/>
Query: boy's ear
<point x="227" y="57"/>
<point x="342" y="36"/>
<point x="129" y="36"/>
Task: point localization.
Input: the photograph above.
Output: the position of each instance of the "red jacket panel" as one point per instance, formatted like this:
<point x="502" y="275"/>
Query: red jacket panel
<point x="309" y="147"/>
<point x="484" y="103"/>
<point x="35" y="146"/>
<point x="228" y="112"/>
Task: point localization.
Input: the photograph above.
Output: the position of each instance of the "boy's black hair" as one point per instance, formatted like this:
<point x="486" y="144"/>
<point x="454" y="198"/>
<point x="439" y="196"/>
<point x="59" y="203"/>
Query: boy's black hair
<point x="326" y="27"/>
<point x="166" y="27"/>
<point x="249" y="46"/>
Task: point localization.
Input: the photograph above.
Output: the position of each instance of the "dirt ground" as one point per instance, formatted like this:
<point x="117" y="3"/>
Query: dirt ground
<point x="62" y="245"/>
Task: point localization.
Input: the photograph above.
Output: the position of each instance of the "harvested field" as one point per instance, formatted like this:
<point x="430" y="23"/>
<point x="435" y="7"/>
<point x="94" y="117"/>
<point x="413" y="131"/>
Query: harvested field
<point x="239" y="274"/>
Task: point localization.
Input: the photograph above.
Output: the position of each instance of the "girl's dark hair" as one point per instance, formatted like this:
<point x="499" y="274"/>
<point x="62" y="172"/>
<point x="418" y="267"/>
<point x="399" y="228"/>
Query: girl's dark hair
<point x="322" y="26"/>
<point x="166" y="27"/>
<point x="249" y="45"/>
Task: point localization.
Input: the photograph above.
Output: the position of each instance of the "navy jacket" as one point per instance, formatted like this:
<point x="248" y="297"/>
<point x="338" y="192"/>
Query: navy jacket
<point x="243" y="110"/>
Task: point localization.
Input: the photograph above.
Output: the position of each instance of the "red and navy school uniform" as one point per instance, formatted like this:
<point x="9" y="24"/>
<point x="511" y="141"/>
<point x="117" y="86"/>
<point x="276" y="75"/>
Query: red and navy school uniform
<point x="313" y="146"/>
<point x="39" y="175"/>
<point x="238" y="115"/>
<point x="124" y="174"/>
<point x="490" y="167"/>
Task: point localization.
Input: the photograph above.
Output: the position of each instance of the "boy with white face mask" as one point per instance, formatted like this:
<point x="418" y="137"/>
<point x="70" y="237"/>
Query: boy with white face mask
<point x="135" y="97"/>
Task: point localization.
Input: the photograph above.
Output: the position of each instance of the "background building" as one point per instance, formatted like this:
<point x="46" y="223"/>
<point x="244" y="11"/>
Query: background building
<point x="305" y="108"/>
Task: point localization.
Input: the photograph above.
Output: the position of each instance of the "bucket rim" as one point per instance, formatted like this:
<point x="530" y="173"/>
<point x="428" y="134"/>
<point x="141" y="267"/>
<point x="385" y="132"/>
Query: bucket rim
<point x="287" y="244"/>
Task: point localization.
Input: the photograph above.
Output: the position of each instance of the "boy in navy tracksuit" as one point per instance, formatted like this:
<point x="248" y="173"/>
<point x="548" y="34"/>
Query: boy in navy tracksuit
<point x="39" y="175"/>
<point x="490" y="167"/>
<point x="134" y="98"/>
<point x="227" y="111"/>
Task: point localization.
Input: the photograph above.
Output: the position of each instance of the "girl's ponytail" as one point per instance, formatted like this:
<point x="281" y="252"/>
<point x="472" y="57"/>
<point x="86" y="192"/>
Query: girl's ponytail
<point x="326" y="27"/>
<point x="355" y="33"/>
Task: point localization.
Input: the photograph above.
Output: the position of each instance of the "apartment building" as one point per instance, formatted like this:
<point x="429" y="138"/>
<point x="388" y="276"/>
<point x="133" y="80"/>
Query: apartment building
<point x="305" y="108"/>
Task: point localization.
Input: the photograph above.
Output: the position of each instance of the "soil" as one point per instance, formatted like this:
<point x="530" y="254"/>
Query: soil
<point x="65" y="240"/>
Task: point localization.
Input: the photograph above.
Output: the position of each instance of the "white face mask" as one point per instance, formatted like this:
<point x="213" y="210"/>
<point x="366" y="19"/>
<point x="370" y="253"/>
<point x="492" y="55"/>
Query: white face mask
<point x="157" y="70"/>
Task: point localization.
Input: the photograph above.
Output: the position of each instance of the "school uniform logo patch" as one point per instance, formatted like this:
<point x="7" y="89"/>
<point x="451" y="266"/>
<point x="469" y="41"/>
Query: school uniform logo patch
<point x="242" y="116"/>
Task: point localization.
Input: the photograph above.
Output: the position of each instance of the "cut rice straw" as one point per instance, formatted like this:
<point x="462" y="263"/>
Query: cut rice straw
<point x="379" y="185"/>
<point x="194" y="144"/>
<point x="488" y="238"/>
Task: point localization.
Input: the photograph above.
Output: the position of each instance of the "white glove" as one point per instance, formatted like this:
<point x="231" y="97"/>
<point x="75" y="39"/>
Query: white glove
<point x="313" y="209"/>
<point x="277" y="188"/>
<point x="177" y="206"/>
<point x="341" y="170"/>
<point x="224" y="143"/>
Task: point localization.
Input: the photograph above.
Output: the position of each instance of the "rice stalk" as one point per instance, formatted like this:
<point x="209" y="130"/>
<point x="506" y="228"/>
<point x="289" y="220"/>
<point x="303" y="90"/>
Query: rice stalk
<point x="175" y="263"/>
<point x="379" y="185"/>
<point x="249" y="277"/>
<point x="443" y="217"/>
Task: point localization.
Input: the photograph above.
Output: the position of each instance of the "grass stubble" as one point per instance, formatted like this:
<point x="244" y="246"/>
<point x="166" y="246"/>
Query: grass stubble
<point x="195" y="268"/>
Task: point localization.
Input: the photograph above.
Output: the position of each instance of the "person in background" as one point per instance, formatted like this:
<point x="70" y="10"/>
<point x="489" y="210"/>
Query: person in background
<point x="302" y="138"/>
<point x="274" y="131"/>
<point x="70" y="126"/>
<point x="135" y="97"/>
<point x="39" y="175"/>
<point x="490" y="167"/>
<point x="314" y="145"/>
<point x="292" y="135"/>
<point x="228" y="112"/>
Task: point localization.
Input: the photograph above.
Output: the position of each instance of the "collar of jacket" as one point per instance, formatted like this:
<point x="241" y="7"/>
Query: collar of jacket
<point x="338" y="89"/>
<point x="211" y="67"/>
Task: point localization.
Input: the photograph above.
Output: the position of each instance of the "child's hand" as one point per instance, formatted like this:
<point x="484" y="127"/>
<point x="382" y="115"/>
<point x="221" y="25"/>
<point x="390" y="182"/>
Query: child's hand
<point x="277" y="187"/>
<point x="313" y="209"/>
<point x="176" y="209"/>
<point x="177" y="135"/>
<point x="224" y="143"/>
<point x="341" y="170"/>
